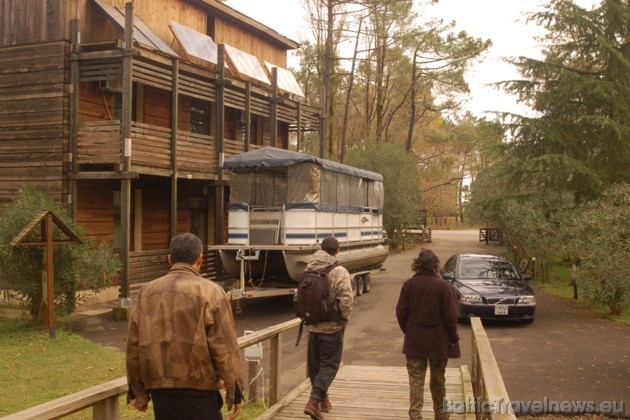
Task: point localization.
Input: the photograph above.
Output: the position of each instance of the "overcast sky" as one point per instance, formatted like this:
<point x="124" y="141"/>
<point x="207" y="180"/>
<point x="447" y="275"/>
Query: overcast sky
<point x="502" y="21"/>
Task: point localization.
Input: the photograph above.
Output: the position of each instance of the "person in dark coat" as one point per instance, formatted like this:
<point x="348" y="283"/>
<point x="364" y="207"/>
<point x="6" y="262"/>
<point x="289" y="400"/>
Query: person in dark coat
<point x="427" y="314"/>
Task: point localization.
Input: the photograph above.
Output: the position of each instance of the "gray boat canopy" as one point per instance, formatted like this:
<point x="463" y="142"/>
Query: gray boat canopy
<point x="273" y="157"/>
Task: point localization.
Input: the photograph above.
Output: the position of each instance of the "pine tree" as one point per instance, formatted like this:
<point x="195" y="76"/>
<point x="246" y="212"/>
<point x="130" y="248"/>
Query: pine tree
<point x="579" y="140"/>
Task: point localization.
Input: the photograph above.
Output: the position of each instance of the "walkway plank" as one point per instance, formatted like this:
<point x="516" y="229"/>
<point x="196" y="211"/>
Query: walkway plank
<point x="369" y="392"/>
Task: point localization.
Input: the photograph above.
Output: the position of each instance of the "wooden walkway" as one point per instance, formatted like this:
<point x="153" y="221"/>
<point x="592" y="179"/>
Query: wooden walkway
<point x="372" y="392"/>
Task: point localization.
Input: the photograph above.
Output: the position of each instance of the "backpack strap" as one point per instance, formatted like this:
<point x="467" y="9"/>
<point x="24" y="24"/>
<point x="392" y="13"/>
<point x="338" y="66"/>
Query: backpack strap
<point x="330" y="267"/>
<point x="299" y="336"/>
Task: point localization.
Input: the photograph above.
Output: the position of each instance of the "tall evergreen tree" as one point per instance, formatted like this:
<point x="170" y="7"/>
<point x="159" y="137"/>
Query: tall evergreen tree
<point x="579" y="140"/>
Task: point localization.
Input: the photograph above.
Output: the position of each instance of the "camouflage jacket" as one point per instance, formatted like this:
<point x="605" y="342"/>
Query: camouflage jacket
<point x="340" y="291"/>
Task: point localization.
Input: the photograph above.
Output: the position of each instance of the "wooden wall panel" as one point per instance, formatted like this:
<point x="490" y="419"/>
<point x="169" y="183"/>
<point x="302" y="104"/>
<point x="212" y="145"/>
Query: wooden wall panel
<point x="183" y="113"/>
<point x="183" y="215"/>
<point x="157" y="107"/>
<point x="156" y="209"/>
<point x="155" y="13"/>
<point x="96" y="104"/>
<point x="33" y="119"/>
<point x="95" y="208"/>
<point x="228" y="33"/>
<point x="32" y="21"/>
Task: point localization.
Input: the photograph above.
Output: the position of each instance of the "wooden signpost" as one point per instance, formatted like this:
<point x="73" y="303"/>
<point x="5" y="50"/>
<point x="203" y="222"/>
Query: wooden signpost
<point x="46" y="221"/>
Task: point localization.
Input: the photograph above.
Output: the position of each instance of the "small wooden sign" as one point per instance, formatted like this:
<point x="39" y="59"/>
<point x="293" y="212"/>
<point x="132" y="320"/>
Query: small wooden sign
<point x="46" y="222"/>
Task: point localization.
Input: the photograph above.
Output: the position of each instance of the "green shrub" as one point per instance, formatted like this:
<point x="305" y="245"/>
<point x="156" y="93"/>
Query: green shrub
<point x="600" y="237"/>
<point x="77" y="268"/>
<point x="400" y="182"/>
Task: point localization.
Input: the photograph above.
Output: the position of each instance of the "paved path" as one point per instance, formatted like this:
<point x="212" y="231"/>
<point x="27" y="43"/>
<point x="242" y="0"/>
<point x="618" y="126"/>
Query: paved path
<point x="567" y="354"/>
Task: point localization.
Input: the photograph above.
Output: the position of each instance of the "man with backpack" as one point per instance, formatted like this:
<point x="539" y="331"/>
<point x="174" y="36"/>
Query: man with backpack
<point x="325" y="338"/>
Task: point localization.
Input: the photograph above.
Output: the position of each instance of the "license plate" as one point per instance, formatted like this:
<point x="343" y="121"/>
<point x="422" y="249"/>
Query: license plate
<point x="500" y="309"/>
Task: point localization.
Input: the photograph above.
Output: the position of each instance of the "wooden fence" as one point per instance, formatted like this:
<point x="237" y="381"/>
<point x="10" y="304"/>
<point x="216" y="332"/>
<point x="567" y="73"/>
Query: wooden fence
<point x="104" y="398"/>
<point x="492" y="400"/>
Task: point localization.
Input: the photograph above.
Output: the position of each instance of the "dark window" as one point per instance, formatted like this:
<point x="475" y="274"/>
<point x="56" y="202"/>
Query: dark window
<point x="200" y="116"/>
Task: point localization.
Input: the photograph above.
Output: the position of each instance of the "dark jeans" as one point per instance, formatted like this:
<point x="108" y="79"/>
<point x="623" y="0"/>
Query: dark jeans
<point x="172" y="404"/>
<point x="324" y="358"/>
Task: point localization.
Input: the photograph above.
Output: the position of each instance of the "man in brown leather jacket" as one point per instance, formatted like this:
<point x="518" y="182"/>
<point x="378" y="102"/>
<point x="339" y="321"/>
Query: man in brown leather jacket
<point x="181" y="345"/>
<point x="427" y="315"/>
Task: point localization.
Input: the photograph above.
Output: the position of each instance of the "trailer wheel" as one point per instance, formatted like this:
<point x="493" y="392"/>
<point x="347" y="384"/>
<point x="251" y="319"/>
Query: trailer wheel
<point x="353" y="282"/>
<point x="367" y="283"/>
<point x="360" y="285"/>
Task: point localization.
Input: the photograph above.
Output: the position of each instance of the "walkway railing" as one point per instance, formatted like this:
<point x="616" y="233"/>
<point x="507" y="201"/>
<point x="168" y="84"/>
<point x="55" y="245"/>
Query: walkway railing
<point x="104" y="398"/>
<point x="491" y="399"/>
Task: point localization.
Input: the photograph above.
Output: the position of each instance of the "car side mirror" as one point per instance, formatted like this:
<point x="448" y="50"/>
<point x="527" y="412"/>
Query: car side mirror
<point x="448" y="276"/>
<point x="526" y="277"/>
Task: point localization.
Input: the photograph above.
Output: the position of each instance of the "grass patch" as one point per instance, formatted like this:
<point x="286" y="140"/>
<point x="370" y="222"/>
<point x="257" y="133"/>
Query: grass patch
<point x="560" y="285"/>
<point x="37" y="369"/>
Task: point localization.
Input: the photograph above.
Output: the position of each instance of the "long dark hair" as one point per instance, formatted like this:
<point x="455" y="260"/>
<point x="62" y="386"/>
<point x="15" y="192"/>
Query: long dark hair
<point x="426" y="261"/>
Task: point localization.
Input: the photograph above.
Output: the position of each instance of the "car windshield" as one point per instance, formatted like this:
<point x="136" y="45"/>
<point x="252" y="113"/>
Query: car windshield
<point x="487" y="269"/>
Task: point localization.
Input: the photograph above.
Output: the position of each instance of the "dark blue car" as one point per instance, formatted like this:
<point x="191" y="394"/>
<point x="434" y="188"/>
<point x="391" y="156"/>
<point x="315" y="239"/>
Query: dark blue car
<point x="490" y="287"/>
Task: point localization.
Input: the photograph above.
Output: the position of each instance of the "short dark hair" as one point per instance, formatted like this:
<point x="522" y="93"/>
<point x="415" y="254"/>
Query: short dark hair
<point x="330" y="245"/>
<point x="185" y="248"/>
<point x="426" y="261"/>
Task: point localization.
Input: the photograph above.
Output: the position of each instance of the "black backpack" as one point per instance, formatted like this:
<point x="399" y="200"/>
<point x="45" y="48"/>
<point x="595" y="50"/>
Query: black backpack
<point x="310" y="301"/>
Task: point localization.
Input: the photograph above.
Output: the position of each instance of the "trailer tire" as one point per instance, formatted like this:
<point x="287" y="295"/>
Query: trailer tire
<point x="353" y="282"/>
<point x="360" y="285"/>
<point x="367" y="283"/>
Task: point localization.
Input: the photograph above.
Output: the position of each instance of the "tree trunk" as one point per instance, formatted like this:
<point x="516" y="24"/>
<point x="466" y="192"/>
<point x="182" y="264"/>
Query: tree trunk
<point x="327" y="103"/>
<point x="346" y="109"/>
<point x="412" y="97"/>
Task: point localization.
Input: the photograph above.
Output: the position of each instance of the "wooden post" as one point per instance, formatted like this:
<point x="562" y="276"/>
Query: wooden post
<point x="252" y="391"/>
<point x="74" y="115"/>
<point x="50" y="273"/>
<point x="219" y="189"/>
<point x="175" y="127"/>
<point x="125" y="184"/>
<point x="248" y="116"/>
<point x="299" y="125"/>
<point x="275" y="362"/>
<point x="107" y="409"/>
<point x="273" y="114"/>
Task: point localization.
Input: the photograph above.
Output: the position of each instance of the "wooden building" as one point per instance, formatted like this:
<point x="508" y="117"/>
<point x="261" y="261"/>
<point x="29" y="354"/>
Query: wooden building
<point x="124" y="113"/>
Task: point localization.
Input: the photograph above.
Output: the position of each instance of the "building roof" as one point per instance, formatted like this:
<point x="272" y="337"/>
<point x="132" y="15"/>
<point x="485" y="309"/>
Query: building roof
<point x="228" y="13"/>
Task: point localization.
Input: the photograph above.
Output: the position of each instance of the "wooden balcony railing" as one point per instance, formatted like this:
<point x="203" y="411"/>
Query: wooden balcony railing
<point x="100" y="142"/>
<point x="196" y="152"/>
<point x="150" y="146"/>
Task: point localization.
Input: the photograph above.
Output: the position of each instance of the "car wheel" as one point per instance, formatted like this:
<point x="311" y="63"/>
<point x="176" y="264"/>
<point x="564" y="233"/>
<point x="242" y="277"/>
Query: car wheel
<point x="527" y="321"/>
<point x="360" y="285"/>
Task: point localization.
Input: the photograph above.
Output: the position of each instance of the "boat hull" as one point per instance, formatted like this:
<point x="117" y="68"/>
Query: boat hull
<point x="290" y="263"/>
